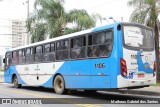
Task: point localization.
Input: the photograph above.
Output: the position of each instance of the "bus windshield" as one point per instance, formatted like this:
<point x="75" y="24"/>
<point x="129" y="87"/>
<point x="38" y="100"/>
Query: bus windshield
<point x="137" y="37"/>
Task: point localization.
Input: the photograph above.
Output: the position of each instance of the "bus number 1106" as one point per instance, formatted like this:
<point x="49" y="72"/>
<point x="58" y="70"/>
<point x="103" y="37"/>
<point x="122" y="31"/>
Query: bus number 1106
<point x="100" y="65"/>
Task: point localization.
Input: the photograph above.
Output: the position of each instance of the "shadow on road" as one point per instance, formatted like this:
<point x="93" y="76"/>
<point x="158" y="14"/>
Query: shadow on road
<point x="99" y="97"/>
<point x="109" y="94"/>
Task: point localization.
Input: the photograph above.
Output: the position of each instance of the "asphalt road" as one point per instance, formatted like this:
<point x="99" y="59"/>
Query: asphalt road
<point x="78" y="99"/>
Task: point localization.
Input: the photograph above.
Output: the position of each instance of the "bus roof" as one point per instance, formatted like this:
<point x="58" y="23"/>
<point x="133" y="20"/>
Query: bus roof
<point x="76" y="34"/>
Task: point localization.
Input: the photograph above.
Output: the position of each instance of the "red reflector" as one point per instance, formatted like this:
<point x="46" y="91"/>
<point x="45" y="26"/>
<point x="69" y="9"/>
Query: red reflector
<point x="140" y="75"/>
<point x="123" y="67"/>
<point x="154" y="67"/>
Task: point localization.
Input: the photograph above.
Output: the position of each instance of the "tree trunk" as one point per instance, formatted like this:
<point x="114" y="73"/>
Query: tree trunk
<point x="157" y="48"/>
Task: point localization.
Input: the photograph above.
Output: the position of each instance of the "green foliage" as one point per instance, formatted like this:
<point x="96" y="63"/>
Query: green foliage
<point x="145" y="11"/>
<point x="158" y="84"/>
<point x="50" y="19"/>
<point x="81" y="18"/>
<point x="38" y="33"/>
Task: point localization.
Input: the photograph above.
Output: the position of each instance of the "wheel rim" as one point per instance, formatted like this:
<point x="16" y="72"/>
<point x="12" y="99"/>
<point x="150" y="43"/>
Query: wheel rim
<point x="59" y="84"/>
<point x="15" y="82"/>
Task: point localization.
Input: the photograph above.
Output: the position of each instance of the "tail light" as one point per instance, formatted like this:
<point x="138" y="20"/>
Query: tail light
<point x="123" y="67"/>
<point x="154" y="69"/>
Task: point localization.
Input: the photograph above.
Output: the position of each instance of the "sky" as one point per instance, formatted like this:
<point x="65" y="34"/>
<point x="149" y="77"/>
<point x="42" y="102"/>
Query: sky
<point x="17" y="9"/>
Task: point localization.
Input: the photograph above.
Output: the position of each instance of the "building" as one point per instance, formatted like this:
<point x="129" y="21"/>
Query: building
<point x="12" y="34"/>
<point x="18" y="33"/>
<point x="5" y="33"/>
<point x="5" y="38"/>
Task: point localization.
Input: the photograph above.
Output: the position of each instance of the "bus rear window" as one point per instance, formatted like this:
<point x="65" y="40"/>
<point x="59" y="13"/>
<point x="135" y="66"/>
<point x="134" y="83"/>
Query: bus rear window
<point x="136" y="37"/>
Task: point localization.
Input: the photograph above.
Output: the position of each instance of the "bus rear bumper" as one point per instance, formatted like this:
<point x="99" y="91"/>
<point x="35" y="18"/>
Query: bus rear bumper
<point x="123" y="83"/>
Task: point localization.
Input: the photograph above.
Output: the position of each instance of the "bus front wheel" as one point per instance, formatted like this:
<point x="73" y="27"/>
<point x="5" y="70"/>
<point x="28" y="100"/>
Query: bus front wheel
<point x="15" y="82"/>
<point x="59" y="85"/>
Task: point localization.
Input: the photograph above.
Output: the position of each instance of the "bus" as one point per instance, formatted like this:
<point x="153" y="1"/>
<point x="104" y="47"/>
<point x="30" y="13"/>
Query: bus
<point x="115" y="56"/>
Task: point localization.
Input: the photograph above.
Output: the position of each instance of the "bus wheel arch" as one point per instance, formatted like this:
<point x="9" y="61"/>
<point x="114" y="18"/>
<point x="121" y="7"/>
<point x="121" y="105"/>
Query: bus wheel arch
<point x="59" y="84"/>
<point x="15" y="81"/>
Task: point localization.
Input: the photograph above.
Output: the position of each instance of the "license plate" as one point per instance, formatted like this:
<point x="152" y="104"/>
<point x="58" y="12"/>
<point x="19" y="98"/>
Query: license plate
<point x="140" y="75"/>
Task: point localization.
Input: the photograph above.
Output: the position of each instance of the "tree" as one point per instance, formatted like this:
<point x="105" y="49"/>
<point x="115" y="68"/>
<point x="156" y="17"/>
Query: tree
<point x="50" y="18"/>
<point x="82" y="19"/>
<point x="146" y="12"/>
<point x="38" y="33"/>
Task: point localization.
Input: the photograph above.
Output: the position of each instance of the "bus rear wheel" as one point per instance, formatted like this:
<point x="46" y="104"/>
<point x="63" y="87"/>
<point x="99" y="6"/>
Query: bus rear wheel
<point x="15" y="82"/>
<point x="59" y="85"/>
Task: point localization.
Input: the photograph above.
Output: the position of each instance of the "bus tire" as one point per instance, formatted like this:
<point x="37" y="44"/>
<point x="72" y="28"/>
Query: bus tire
<point x="59" y="85"/>
<point x="15" y="82"/>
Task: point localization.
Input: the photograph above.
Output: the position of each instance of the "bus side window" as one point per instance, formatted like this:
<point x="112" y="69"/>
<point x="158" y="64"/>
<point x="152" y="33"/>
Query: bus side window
<point x="47" y="48"/>
<point x="21" y="56"/>
<point x="109" y="37"/>
<point x="92" y="49"/>
<point x="15" y="57"/>
<point x="52" y="47"/>
<point x="59" y="45"/>
<point x="62" y="50"/>
<point x="47" y="53"/>
<point x="28" y="51"/>
<point x="89" y="39"/>
<point x="52" y="54"/>
<point x="29" y="55"/>
<point x="100" y="44"/>
<point x="8" y="60"/>
<point x="65" y="44"/>
<point x="39" y="50"/>
<point x="38" y="53"/>
<point x="78" y="47"/>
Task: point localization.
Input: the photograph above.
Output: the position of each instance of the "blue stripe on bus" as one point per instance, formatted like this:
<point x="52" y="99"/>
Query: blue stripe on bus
<point x="10" y="74"/>
<point x="82" y="74"/>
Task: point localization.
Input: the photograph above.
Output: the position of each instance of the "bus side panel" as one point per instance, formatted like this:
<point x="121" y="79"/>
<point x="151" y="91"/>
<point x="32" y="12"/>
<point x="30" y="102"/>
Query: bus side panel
<point x="9" y="74"/>
<point x="49" y="83"/>
<point x="62" y="70"/>
<point x="78" y="74"/>
<point x="36" y="74"/>
<point x="115" y="57"/>
<point x="100" y="73"/>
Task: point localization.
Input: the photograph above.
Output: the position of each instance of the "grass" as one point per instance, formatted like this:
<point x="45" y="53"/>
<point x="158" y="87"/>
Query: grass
<point x="158" y="84"/>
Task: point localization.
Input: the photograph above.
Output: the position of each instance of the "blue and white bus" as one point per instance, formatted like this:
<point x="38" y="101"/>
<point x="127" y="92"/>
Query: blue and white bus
<point x="119" y="55"/>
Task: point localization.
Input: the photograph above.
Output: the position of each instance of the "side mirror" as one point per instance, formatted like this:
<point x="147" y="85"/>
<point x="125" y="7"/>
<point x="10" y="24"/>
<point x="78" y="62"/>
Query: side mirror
<point x="4" y="60"/>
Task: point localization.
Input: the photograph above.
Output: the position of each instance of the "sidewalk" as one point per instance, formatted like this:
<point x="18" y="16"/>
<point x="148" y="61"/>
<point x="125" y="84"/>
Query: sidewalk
<point x="150" y="91"/>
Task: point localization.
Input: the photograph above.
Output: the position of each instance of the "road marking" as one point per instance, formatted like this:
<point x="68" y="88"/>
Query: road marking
<point x="42" y="96"/>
